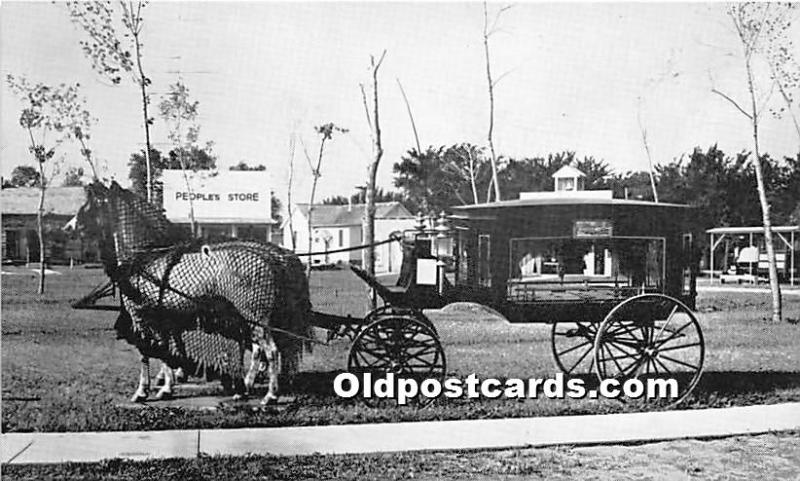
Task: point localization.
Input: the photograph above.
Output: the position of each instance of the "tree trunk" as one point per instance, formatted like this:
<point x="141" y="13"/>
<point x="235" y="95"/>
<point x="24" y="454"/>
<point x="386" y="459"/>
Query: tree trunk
<point x="40" y="227"/>
<point x="145" y="102"/>
<point x="472" y="181"/>
<point x="316" y="175"/>
<point x="765" y="208"/>
<point x="372" y="171"/>
<point x="289" y="193"/>
<point x="491" y="102"/>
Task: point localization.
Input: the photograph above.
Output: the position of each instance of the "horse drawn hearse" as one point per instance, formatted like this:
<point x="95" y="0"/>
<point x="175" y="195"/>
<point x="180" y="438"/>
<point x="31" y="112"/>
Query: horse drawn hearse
<point x="614" y="278"/>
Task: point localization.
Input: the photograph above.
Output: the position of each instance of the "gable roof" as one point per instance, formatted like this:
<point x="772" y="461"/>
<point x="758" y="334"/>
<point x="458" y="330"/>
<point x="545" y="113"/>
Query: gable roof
<point x="568" y="172"/>
<point x="64" y="201"/>
<point x="344" y="215"/>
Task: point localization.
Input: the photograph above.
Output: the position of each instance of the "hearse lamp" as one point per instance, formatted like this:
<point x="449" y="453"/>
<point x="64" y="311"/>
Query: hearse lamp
<point x="444" y="238"/>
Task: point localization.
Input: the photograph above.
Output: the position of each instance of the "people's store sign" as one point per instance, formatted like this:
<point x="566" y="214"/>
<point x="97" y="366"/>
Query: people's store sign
<point x="229" y="195"/>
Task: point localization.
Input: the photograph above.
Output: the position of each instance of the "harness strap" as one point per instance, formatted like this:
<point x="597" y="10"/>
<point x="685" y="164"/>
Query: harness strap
<point x="348" y="249"/>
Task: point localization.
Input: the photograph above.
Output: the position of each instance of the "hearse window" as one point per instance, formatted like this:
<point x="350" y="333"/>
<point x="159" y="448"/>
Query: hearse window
<point x="609" y="261"/>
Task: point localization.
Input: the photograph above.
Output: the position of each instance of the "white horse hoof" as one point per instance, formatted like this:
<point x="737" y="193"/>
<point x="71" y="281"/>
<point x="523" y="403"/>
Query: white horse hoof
<point x="163" y="395"/>
<point x="139" y="397"/>
<point x="269" y="399"/>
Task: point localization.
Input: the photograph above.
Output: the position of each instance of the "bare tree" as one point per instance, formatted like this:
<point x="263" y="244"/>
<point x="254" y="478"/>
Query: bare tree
<point x="289" y="190"/>
<point x="488" y="31"/>
<point x="373" y="120"/>
<point x="752" y="23"/>
<point x="181" y="113"/>
<point x="54" y="111"/>
<point x="410" y="115"/>
<point x="325" y="132"/>
<point x="646" y="144"/>
<point x="115" y="50"/>
<point x="465" y="161"/>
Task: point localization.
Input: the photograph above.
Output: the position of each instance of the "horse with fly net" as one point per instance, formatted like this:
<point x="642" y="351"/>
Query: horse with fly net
<point x="193" y="304"/>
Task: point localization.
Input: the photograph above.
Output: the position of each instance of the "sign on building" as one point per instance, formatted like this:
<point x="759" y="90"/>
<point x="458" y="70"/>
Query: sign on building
<point x="218" y="197"/>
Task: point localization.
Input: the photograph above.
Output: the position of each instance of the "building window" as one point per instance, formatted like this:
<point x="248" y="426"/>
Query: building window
<point x="341" y="238"/>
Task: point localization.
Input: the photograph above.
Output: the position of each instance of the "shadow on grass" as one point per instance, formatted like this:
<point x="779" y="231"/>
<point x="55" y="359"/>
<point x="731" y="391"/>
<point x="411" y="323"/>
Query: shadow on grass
<point x="715" y="388"/>
<point x="746" y="387"/>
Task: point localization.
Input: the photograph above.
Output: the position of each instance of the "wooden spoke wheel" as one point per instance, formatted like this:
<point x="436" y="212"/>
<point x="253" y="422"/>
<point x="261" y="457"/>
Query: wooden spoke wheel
<point x="572" y="344"/>
<point x="388" y="310"/>
<point x="654" y="338"/>
<point x="397" y="344"/>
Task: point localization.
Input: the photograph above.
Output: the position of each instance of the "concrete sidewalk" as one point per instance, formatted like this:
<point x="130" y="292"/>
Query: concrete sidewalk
<point x="422" y="436"/>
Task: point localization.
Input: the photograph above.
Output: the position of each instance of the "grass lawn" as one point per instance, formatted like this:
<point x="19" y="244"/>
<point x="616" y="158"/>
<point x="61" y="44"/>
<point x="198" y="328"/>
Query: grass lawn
<point x="63" y="369"/>
<point x="774" y="457"/>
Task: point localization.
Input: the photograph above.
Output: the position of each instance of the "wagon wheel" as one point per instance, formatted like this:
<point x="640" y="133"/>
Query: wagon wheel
<point x="651" y="336"/>
<point x="572" y="344"/>
<point x="401" y="345"/>
<point x="388" y="310"/>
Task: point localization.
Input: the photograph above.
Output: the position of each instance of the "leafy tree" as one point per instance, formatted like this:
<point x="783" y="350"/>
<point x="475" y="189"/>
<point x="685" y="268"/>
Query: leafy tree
<point x="380" y="196"/>
<point x="25" y="176"/>
<point x="242" y="165"/>
<point x="426" y="186"/>
<point x="468" y="163"/>
<point x="47" y="115"/>
<point x="755" y="25"/>
<point x="597" y="171"/>
<point x="113" y="45"/>
<point x="180" y="113"/>
<point x="137" y="170"/>
<point x="533" y="174"/>
<point x="783" y="65"/>
<point x="73" y="177"/>
<point x="325" y="132"/>
<point x="195" y="158"/>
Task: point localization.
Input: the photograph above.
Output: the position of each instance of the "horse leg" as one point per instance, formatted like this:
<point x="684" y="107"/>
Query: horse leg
<point x="144" y="381"/>
<point x="169" y="379"/>
<point x="273" y="369"/>
<point x="255" y="361"/>
<point x="159" y="379"/>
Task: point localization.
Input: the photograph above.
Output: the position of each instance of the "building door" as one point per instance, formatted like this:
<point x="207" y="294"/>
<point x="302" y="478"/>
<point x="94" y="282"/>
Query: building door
<point x="11" y="246"/>
<point x="484" y="260"/>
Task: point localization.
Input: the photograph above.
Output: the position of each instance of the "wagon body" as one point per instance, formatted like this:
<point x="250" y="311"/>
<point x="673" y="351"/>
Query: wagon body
<point x="571" y="259"/>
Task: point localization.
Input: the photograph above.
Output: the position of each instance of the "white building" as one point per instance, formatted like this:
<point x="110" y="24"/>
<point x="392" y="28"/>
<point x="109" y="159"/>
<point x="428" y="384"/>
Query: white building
<point x="335" y="227"/>
<point x="225" y="203"/>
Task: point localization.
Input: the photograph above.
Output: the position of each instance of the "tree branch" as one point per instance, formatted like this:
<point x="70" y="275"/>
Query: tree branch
<point x="733" y="102"/>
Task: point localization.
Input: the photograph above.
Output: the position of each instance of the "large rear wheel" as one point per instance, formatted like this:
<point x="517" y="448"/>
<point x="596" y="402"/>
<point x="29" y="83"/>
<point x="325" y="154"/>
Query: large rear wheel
<point x="653" y="338"/>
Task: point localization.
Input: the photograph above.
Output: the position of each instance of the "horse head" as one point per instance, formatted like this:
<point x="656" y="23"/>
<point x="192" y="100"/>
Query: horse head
<point x="93" y="217"/>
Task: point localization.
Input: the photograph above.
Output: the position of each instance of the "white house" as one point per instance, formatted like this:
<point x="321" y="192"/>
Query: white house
<point x="335" y="227"/>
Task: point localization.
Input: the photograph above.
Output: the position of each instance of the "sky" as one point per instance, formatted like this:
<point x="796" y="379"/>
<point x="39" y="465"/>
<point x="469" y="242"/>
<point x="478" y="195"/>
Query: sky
<point x="581" y="77"/>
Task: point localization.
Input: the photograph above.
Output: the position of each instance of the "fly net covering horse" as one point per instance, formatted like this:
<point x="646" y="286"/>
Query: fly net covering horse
<point x="192" y="303"/>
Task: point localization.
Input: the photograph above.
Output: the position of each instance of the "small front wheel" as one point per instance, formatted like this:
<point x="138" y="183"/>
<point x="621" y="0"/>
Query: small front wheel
<point x="402" y="345"/>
